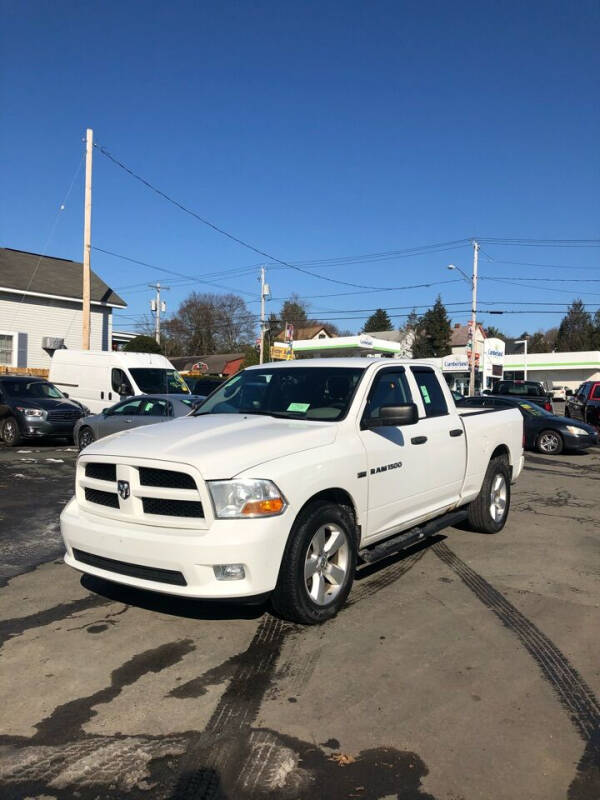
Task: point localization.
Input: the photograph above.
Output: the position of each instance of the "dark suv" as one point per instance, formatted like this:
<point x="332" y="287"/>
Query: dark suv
<point x="32" y="408"/>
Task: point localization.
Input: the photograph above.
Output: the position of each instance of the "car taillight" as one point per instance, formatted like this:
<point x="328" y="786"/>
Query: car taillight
<point x="547" y="406"/>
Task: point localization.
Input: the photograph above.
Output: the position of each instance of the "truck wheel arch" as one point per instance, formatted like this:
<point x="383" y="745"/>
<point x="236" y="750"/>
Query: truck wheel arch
<point x="338" y="496"/>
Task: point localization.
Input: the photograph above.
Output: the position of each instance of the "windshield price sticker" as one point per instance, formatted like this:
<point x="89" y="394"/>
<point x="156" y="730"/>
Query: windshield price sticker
<point x="425" y="394"/>
<point x="300" y="407"/>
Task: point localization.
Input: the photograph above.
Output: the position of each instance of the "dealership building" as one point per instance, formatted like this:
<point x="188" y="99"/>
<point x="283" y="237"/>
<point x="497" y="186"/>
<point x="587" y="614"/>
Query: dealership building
<point x="554" y="369"/>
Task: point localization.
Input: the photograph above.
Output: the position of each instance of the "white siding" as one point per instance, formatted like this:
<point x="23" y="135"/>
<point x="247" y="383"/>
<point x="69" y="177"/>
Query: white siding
<point x="36" y="317"/>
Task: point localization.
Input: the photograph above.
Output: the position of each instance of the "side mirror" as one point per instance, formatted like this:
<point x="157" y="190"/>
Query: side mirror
<point x="66" y="395"/>
<point x="392" y="416"/>
<point x="105" y="411"/>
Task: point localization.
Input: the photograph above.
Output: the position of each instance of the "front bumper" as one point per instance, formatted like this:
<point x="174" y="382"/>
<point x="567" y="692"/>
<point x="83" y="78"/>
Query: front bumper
<point x="33" y="428"/>
<point x="258" y="544"/>
<point x="579" y="442"/>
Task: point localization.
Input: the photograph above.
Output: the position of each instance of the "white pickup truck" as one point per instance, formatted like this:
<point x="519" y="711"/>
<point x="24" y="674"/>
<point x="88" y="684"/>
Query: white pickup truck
<point x="288" y="476"/>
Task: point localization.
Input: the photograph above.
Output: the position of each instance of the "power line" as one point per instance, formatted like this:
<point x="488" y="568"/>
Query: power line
<point x="224" y="232"/>
<point x="174" y="272"/>
<point x="539" y="242"/>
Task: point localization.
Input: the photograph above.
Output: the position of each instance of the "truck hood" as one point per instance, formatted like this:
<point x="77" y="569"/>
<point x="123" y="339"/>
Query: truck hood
<point x="219" y="445"/>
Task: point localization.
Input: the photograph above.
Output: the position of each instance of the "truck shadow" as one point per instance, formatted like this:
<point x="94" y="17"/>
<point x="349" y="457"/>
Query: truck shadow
<point x="172" y="604"/>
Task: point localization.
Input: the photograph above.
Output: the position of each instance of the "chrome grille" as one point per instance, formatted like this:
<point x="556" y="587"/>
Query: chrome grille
<point x="64" y="415"/>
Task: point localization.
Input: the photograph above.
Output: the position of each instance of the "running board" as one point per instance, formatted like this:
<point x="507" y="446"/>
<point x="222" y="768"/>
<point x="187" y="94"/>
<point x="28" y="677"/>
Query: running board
<point x="413" y="536"/>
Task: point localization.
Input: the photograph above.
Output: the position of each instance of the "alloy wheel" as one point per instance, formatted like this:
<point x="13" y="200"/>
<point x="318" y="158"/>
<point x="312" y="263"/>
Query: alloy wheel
<point x="326" y="565"/>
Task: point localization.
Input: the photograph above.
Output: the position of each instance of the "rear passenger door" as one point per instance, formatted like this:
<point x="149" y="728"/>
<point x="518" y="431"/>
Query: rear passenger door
<point x="446" y="446"/>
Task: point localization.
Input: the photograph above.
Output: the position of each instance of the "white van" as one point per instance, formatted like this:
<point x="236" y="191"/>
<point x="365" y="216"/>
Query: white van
<point x="99" y="379"/>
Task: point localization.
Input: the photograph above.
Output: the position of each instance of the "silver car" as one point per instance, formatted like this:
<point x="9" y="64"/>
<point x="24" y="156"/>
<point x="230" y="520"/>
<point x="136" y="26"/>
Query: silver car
<point x="145" y="409"/>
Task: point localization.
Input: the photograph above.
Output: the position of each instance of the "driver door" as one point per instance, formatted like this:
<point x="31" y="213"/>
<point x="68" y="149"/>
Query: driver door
<point x="120" y="417"/>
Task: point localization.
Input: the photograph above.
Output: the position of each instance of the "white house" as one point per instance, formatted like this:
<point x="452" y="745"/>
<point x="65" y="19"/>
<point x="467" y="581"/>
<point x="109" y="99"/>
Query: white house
<point x="41" y="308"/>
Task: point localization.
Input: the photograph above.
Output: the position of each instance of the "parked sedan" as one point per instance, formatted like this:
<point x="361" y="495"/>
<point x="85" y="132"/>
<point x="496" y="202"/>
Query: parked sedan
<point x="145" y="409"/>
<point x="544" y="431"/>
<point x="33" y="408"/>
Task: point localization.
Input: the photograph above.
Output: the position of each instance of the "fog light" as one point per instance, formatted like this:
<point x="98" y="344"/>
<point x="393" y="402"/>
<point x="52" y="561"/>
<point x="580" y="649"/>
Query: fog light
<point x="229" y="572"/>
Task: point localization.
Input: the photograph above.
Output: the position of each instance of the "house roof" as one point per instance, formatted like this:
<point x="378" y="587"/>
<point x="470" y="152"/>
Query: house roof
<point x="304" y="333"/>
<point x="44" y="276"/>
<point x="216" y="363"/>
<point x="460" y="335"/>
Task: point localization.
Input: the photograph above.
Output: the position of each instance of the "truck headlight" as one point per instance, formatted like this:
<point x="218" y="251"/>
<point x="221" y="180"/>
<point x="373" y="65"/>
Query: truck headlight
<point x="30" y="412"/>
<point x="239" y="499"/>
<point x="576" y="431"/>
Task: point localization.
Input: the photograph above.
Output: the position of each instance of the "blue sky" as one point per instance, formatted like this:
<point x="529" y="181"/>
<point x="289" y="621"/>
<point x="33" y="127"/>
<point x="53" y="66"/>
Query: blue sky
<point x="314" y="130"/>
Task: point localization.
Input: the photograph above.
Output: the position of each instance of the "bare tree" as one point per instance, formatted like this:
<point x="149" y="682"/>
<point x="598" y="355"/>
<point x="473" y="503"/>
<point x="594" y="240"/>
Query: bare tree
<point x="209" y="323"/>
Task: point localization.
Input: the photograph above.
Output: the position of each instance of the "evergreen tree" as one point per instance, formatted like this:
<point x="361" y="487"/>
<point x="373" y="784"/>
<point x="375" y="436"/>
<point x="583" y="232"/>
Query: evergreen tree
<point x="433" y="333"/>
<point x="576" y="329"/>
<point x="596" y="331"/>
<point x="295" y="312"/>
<point x="379" y="321"/>
<point x="492" y="332"/>
<point x="143" y="344"/>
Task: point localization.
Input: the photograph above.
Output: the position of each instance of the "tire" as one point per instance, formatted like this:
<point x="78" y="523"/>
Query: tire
<point x="10" y="432"/>
<point x="489" y="511"/>
<point x="312" y="587"/>
<point x="550" y="443"/>
<point x="85" y="437"/>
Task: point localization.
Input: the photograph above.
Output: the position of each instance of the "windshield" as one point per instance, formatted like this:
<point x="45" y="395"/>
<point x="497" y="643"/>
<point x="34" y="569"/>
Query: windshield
<point x="27" y="388"/>
<point x="159" y="381"/>
<point x="533" y="389"/>
<point x="534" y="411"/>
<point x="311" y="393"/>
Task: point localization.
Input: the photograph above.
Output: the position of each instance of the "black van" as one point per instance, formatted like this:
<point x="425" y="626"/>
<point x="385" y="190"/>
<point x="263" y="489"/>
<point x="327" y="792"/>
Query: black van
<point x="32" y="408"/>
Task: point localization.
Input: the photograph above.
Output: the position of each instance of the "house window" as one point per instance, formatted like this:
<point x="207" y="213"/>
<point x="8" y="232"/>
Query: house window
<point x="7" y="348"/>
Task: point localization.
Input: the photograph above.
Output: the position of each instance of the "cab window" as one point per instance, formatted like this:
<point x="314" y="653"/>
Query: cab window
<point x="127" y="409"/>
<point x="431" y="392"/>
<point x="120" y="382"/>
<point x="390" y="388"/>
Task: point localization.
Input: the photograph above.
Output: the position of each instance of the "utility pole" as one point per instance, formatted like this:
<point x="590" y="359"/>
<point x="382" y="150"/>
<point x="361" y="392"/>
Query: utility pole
<point x="473" y="319"/>
<point x="87" y="241"/>
<point x="264" y="293"/>
<point x="157" y="306"/>
<point x="524" y="343"/>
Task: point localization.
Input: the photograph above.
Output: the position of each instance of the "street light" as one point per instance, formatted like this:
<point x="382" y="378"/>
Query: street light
<point x="473" y="281"/>
<point x="523" y="342"/>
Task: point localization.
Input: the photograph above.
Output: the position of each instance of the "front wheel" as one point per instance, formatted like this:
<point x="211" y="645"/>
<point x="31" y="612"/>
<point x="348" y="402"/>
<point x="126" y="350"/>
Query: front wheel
<point x="10" y="432"/>
<point x="550" y="443"/>
<point x="489" y="511"/>
<point x="85" y="437"/>
<point x="318" y="565"/>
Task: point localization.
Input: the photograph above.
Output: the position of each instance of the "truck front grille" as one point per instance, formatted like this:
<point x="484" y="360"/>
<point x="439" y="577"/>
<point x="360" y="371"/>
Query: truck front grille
<point x="172" y="508"/>
<point x="167" y="478"/>
<point x="109" y="499"/>
<point x="101" y="472"/>
<point x="137" y="493"/>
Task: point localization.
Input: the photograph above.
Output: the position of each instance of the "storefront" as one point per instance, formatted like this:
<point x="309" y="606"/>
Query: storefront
<point x="554" y="370"/>
<point x="489" y="361"/>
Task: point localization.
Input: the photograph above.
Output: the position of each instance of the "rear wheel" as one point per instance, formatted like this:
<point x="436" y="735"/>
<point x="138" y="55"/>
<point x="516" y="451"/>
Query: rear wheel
<point x="549" y="442"/>
<point x="489" y="511"/>
<point x="10" y="432"/>
<point x="317" y="569"/>
<point x="85" y="437"/>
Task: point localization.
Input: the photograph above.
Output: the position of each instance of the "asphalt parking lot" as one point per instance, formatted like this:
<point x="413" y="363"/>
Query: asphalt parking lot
<point x="465" y="670"/>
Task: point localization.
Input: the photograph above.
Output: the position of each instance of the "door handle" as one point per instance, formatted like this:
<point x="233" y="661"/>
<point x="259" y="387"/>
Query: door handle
<point x="418" y="440"/>
<point x="456" y="432"/>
